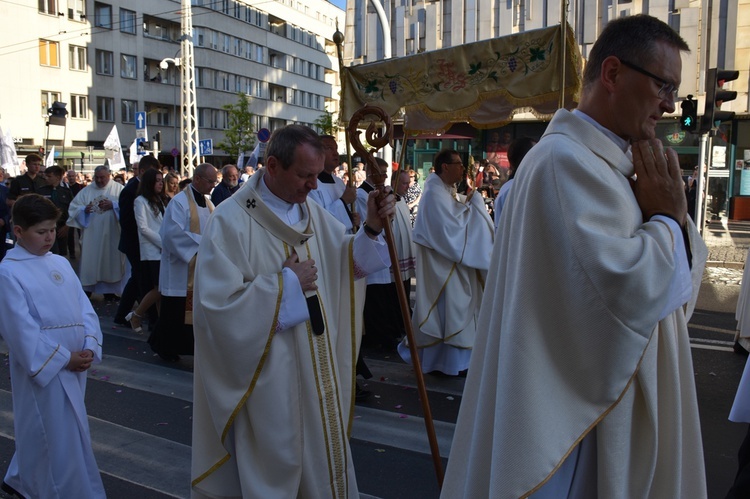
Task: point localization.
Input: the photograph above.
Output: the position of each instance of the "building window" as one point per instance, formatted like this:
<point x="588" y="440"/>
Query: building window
<point x="223" y="81"/>
<point x="77" y="10"/>
<point x="48" y="97"/>
<point x="104" y="63"/>
<point x="127" y="21"/>
<point x="78" y="58"/>
<point x="205" y="78"/>
<point x="48" y="7"/>
<point x="102" y="15"/>
<point x="212" y="118"/>
<point x="49" y="53"/>
<point x="105" y="109"/>
<point x="79" y="106"/>
<point x="128" y="110"/>
<point x="162" y="116"/>
<point x="157" y="115"/>
<point x="128" y="66"/>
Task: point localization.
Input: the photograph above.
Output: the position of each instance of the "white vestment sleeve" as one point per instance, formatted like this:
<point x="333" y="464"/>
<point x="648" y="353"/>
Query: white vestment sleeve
<point x="681" y="284"/>
<point x="175" y="234"/>
<point x="41" y="358"/>
<point x="92" y="327"/>
<point x="293" y="309"/>
<point x="370" y="255"/>
<point x="83" y="218"/>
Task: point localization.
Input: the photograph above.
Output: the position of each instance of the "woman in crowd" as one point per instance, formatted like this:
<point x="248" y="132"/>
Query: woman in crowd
<point x="171" y="184"/>
<point x="149" y="212"/>
<point x="413" y="195"/>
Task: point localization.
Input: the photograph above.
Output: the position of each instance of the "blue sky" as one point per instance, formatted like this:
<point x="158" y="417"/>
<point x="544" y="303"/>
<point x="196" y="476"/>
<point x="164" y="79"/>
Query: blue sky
<point x="339" y="3"/>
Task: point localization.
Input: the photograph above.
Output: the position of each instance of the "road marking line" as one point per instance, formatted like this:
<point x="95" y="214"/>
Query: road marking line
<point x="706" y="341"/>
<point x="711" y="347"/>
<point x="712" y="329"/>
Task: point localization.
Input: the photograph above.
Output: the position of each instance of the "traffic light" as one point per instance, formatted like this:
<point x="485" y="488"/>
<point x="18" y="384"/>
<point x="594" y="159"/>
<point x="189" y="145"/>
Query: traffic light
<point x="57" y="113"/>
<point x="715" y="96"/>
<point x="689" y="114"/>
<point x="157" y="140"/>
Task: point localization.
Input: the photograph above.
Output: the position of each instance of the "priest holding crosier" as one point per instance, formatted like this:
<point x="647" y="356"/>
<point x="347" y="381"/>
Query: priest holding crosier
<point x="276" y="333"/>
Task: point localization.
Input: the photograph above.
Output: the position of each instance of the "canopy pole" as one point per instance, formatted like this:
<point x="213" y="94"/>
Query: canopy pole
<point x="338" y="39"/>
<point x="563" y="49"/>
<point x="401" y="156"/>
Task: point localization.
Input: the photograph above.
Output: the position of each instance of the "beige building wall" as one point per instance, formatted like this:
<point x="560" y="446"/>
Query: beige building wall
<point x="281" y="53"/>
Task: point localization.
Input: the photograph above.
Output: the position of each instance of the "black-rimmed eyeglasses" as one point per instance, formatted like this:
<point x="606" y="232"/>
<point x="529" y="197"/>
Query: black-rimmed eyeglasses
<point x="667" y="88"/>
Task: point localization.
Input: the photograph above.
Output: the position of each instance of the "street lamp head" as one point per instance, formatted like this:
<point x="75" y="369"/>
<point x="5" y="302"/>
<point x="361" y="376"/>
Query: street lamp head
<point x="164" y="65"/>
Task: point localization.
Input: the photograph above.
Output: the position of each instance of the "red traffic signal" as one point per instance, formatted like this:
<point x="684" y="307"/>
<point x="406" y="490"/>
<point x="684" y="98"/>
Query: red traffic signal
<point x="716" y="95"/>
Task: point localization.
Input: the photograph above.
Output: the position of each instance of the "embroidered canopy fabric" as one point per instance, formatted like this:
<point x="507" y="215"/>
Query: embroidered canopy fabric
<point x="483" y="83"/>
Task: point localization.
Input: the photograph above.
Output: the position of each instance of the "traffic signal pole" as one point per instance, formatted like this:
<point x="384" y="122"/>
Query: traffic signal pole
<point x="712" y="118"/>
<point x="700" y="210"/>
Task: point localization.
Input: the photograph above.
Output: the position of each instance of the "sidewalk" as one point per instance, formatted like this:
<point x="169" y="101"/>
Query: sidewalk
<point x="728" y="243"/>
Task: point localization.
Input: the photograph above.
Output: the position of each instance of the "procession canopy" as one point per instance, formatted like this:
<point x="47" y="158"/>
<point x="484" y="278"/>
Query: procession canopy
<point x="483" y="83"/>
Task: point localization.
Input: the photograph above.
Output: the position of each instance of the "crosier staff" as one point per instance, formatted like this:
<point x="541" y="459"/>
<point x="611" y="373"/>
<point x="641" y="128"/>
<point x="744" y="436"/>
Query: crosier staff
<point x="378" y="138"/>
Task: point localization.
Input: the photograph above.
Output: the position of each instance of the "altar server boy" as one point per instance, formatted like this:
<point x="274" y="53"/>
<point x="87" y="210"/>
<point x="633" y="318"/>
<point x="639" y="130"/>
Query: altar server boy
<point x="53" y="336"/>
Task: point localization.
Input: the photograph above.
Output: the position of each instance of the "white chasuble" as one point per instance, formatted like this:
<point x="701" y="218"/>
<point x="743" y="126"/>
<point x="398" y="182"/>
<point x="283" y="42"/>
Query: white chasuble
<point x="743" y="309"/>
<point x="453" y="240"/>
<point x="571" y="338"/>
<point x="273" y="403"/>
<point x="102" y="265"/>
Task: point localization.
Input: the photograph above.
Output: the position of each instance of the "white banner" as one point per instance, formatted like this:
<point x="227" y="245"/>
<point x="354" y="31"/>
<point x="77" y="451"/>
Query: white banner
<point x="113" y="150"/>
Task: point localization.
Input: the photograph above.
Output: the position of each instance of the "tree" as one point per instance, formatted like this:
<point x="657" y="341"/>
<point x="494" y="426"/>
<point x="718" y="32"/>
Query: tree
<point x="239" y="135"/>
<point x="324" y="123"/>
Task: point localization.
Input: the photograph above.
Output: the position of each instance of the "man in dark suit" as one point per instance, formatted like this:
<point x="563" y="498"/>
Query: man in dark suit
<point x="60" y="197"/>
<point x="129" y="239"/>
<point x="75" y="187"/>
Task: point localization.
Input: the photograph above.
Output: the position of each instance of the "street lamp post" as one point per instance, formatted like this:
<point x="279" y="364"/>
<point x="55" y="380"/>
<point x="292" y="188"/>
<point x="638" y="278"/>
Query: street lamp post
<point x="164" y="65"/>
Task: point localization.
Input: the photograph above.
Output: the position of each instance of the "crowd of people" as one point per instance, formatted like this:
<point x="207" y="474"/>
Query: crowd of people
<point x="568" y="314"/>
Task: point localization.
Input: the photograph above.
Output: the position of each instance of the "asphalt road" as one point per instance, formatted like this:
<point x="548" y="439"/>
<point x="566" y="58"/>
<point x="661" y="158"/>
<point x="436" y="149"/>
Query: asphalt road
<point x="140" y="414"/>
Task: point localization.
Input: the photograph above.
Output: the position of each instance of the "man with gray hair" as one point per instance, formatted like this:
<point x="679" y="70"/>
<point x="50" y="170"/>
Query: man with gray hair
<point x="95" y="210"/>
<point x="230" y="177"/>
<point x="581" y="382"/>
<point x="181" y="232"/>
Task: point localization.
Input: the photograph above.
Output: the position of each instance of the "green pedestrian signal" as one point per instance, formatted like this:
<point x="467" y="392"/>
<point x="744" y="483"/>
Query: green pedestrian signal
<point x="689" y="114"/>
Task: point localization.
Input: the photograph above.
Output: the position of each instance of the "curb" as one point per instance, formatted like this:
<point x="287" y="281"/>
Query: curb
<point x="728" y="265"/>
